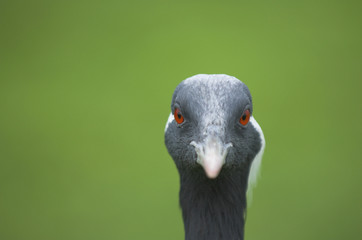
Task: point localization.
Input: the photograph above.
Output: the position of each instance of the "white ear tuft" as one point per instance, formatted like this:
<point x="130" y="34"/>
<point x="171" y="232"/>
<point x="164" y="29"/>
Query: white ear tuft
<point x="169" y="120"/>
<point x="255" y="165"/>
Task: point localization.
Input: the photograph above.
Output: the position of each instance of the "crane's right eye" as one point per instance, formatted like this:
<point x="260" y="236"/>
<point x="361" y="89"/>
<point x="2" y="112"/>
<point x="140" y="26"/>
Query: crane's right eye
<point x="178" y="116"/>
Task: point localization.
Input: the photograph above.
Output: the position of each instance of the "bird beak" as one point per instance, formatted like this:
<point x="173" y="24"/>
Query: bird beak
<point x="211" y="155"/>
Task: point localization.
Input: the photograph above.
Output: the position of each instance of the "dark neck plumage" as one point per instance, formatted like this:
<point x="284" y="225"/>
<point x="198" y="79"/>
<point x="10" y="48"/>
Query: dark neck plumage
<point x="213" y="209"/>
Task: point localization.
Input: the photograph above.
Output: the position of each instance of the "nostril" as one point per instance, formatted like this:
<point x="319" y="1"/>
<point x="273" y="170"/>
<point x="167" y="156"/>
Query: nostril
<point x="198" y="147"/>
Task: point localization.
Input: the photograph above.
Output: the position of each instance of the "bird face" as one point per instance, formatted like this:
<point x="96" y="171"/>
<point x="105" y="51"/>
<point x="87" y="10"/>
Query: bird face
<point x="211" y="125"/>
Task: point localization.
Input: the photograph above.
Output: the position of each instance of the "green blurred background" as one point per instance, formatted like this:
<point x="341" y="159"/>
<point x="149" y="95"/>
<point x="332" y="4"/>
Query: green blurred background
<point x="85" y="91"/>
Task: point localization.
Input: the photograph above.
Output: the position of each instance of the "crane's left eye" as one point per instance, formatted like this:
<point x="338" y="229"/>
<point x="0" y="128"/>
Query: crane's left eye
<point x="245" y="117"/>
<point x="178" y="116"/>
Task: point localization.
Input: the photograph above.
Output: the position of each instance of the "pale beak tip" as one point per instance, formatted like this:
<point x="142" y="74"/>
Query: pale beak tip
<point x="212" y="172"/>
<point x="212" y="175"/>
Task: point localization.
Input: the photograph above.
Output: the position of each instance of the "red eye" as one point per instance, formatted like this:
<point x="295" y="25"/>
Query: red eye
<point x="178" y="116"/>
<point x="244" y="119"/>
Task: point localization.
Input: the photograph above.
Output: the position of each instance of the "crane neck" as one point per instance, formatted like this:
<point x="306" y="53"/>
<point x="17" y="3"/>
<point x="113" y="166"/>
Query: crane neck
<point x="213" y="209"/>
